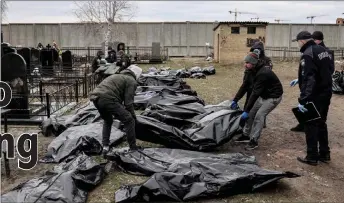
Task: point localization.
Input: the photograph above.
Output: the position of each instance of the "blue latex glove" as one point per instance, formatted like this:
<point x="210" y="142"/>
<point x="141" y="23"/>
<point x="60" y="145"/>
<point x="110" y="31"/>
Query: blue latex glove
<point x="244" y="116"/>
<point x="302" y="108"/>
<point x="294" y="82"/>
<point x="234" y="105"/>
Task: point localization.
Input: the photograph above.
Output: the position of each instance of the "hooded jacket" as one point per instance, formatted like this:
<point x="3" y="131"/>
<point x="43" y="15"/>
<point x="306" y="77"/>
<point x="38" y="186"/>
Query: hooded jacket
<point x="123" y="62"/>
<point x="247" y="84"/>
<point x="330" y="52"/>
<point x="315" y="78"/>
<point x="118" y="88"/>
<point x="266" y="85"/>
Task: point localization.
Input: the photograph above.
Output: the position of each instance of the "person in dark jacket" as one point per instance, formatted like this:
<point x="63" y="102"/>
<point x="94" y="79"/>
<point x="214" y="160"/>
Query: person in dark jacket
<point x="266" y="95"/>
<point x="247" y="85"/>
<point x="124" y="61"/>
<point x="111" y="58"/>
<point x="96" y="61"/>
<point x="315" y="83"/>
<point x="318" y="38"/>
<point x="114" y="96"/>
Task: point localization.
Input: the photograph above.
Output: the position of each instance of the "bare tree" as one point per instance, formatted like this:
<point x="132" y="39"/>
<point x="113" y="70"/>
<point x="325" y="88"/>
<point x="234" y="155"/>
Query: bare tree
<point x="105" y="14"/>
<point x="4" y="8"/>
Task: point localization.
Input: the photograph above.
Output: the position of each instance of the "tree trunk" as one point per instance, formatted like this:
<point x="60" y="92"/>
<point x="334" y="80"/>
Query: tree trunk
<point x="107" y="35"/>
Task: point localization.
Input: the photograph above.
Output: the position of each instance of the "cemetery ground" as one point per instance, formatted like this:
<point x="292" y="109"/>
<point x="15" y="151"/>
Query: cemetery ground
<point x="278" y="146"/>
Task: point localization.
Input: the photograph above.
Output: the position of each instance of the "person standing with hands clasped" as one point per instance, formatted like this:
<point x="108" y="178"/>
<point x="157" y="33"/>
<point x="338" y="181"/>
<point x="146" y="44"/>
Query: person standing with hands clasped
<point x="266" y="95"/>
<point x="315" y="82"/>
<point x="114" y="96"/>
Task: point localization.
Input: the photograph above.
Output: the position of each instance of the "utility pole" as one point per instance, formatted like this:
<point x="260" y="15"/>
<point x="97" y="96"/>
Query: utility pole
<point x="311" y="17"/>
<point x="237" y="12"/>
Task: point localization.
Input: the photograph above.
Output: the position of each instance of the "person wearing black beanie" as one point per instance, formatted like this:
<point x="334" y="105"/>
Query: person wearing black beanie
<point x="318" y="38"/>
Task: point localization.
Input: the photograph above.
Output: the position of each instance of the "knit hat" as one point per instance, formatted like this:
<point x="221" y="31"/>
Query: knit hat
<point x="252" y="58"/>
<point x="136" y="70"/>
<point x="318" y="35"/>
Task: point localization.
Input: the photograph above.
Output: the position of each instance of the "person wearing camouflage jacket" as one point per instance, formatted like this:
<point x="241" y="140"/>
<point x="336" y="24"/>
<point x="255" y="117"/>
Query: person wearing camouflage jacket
<point x="114" y="96"/>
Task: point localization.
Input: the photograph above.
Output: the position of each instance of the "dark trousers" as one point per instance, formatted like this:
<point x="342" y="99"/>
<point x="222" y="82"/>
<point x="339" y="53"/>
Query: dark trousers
<point x="316" y="131"/>
<point x="107" y="110"/>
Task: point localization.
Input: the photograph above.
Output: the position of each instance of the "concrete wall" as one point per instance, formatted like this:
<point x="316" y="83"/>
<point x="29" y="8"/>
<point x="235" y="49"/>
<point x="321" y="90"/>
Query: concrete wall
<point x="181" y="38"/>
<point x="280" y="35"/>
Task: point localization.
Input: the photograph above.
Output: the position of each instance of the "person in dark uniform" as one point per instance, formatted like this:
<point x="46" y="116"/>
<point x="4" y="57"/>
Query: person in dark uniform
<point x="315" y="83"/>
<point x="114" y="96"/>
<point x="265" y="97"/>
<point x="111" y="58"/>
<point x="123" y="62"/>
<point x="96" y="61"/>
<point x="318" y="37"/>
<point x="247" y="85"/>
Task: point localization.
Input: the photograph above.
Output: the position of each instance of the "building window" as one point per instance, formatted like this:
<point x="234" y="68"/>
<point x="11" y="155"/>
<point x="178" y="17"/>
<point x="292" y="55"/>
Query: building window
<point x="235" y="30"/>
<point x="251" y="30"/>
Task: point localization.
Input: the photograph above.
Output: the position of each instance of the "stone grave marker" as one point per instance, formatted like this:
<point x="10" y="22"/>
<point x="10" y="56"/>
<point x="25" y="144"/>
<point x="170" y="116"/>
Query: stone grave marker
<point x="26" y="54"/>
<point x="47" y="62"/>
<point x="156" y="54"/>
<point x="13" y="71"/>
<point x="67" y="62"/>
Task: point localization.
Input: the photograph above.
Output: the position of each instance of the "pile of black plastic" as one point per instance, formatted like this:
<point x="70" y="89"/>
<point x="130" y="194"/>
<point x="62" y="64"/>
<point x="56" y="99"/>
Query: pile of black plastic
<point x="173" y="117"/>
<point x="70" y="181"/>
<point x="179" y="175"/>
<point x="189" y="126"/>
<point x="194" y="72"/>
<point x="338" y="82"/>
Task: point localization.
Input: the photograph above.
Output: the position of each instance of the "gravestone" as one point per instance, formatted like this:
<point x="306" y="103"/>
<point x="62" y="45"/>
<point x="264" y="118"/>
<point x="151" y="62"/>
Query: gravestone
<point x="55" y="55"/>
<point x="35" y="56"/>
<point x="6" y="48"/>
<point x="47" y="62"/>
<point x="13" y="72"/>
<point x="156" y="54"/>
<point x="67" y="62"/>
<point x="26" y="54"/>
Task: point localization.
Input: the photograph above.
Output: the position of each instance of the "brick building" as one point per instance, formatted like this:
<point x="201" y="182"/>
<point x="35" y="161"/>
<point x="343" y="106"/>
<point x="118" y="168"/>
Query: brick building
<point x="340" y="21"/>
<point x="232" y="40"/>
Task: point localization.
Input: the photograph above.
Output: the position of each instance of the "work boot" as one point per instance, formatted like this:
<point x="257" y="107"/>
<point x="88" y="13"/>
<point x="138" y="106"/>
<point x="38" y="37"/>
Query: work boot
<point x="325" y="157"/>
<point x="307" y="160"/>
<point x="136" y="148"/>
<point x="243" y="138"/>
<point x="298" y="128"/>
<point x="252" y="145"/>
<point x="105" y="150"/>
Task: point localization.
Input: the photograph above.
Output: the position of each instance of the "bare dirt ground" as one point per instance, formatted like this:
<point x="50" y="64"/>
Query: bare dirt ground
<point x="278" y="146"/>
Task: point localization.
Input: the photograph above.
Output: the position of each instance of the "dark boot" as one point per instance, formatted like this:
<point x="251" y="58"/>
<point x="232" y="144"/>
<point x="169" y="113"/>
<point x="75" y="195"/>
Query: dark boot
<point x="307" y="160"/>
<point x="298" y="128"/>
<point x="136" y="148"/>
<point x="243" y="138"/>
<point x="252" y="145"/>
<point x="325" y="157"/>
<point x="105" y="150"/>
